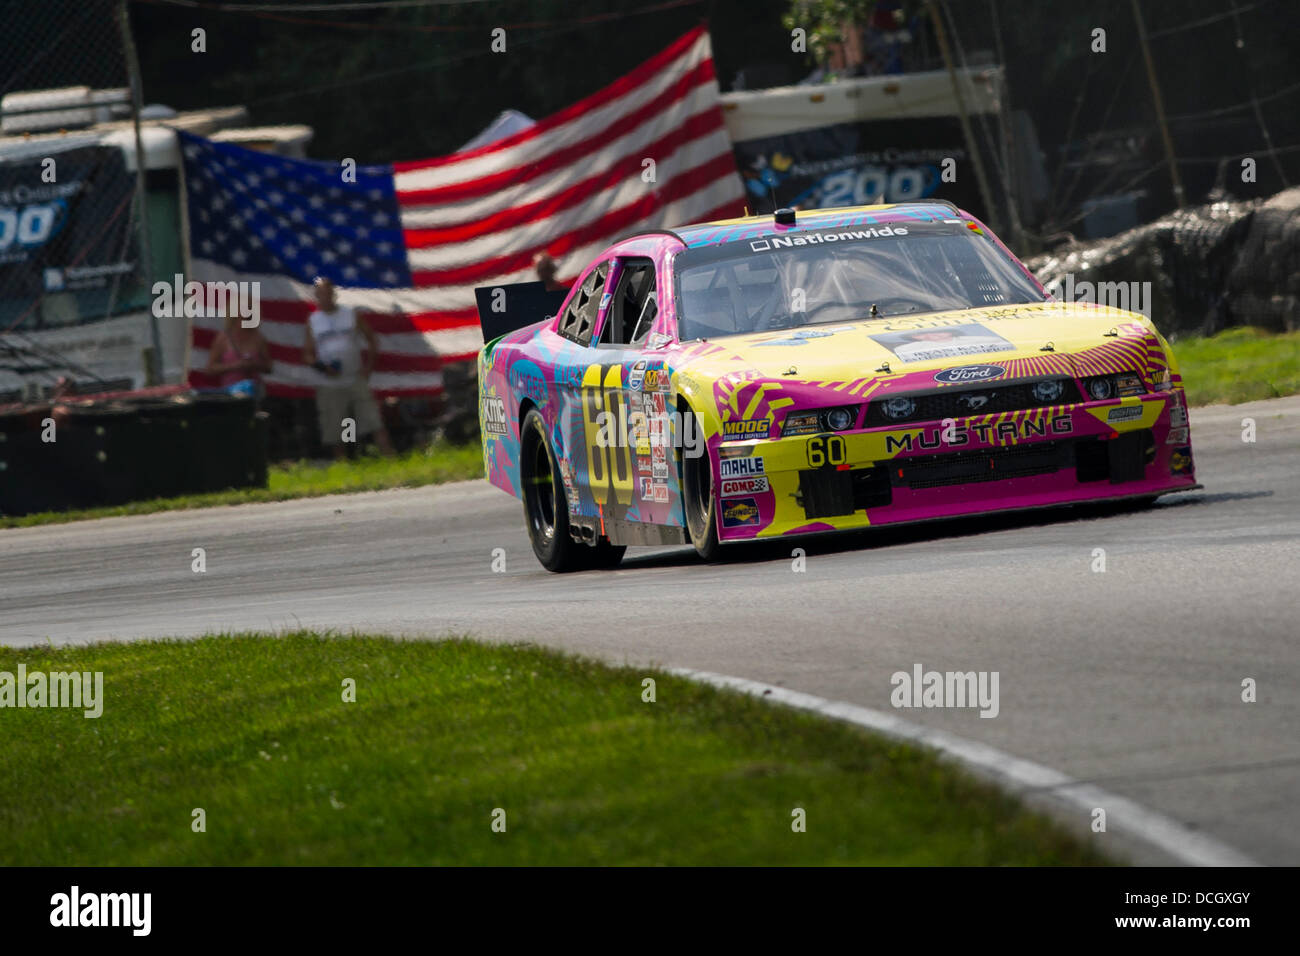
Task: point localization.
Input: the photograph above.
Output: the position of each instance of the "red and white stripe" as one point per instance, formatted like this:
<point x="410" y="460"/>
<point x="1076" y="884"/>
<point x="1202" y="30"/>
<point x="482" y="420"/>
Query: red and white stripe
<point x="570" y="185"/>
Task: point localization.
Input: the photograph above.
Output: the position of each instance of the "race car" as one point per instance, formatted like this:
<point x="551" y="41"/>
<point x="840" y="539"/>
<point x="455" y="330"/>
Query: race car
<point x="810" y="372"/>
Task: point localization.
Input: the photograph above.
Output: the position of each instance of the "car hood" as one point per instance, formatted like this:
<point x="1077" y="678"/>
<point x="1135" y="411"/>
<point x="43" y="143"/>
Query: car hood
<point x="917" y="343"/>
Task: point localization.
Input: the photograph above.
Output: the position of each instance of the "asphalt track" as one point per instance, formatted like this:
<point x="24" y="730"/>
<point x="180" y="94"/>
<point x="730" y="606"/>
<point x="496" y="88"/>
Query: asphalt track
<point x="1129" y="679"/>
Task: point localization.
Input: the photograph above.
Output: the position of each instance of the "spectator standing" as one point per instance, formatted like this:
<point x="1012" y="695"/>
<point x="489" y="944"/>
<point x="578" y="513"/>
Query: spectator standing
<point x="546" y="272"/>
<point x="333" y="347"/>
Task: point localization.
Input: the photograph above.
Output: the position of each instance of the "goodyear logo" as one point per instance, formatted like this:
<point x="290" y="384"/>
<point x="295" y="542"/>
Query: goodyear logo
<point x="746" y="428"/>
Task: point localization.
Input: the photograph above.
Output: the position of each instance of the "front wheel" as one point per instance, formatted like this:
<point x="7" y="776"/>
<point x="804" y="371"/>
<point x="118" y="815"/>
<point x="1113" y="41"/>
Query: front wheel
<point x="698" y="498"/>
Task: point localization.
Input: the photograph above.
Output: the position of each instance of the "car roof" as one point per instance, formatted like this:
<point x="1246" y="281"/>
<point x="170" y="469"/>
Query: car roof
<point x="748" y="227"/>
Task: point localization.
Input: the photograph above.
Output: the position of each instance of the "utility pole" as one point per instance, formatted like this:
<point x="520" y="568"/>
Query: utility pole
<point x="1010" y="158"/>
<point x="942" y="37"/>
<point x="141" y="185"/>
<point x="1177" y="180"/>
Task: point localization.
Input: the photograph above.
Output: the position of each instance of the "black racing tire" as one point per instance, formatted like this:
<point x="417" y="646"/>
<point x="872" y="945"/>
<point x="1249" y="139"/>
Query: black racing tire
<point x="546" y="508"/>
<point x="698" y="499"/>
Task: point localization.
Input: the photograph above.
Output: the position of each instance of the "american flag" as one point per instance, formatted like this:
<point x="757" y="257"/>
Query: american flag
<point x="407" y="244"/>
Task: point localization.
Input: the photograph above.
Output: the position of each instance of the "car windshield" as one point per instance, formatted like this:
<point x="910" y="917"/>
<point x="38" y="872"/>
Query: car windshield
<point x="842" y="275"/>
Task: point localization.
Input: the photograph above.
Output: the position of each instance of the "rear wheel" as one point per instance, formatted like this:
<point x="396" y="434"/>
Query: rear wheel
<point x="698" y="498"/>
<point x="546" y="509"/>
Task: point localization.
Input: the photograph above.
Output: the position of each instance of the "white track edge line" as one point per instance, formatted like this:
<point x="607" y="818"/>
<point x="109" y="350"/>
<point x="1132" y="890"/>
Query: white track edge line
<point x="1177" y="840"/>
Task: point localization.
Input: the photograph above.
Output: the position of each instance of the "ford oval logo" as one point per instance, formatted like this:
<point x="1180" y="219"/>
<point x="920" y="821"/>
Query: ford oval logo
<point x="969" y="373"/>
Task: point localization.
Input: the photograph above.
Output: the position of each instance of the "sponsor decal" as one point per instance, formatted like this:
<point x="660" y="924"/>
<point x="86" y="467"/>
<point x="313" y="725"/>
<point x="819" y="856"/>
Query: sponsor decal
<point x="1181" y="461"/>
<point x="636" y="376"/>
<point x="740" y="513"/>
<point x="1177" y="416"/>
<point x="1177" y="436"/>
<point x="796" y="424"/>
<point x="746" y="427"/>
<point x="990" y="433"/>
<point x="1129" y="384"/>
<point x="570" y="376"/>
<point x="744" y="486"/>
<point x="799" y="336"/>
<point x="570" y="478"/>
<point x="527" y="378"/>
<point x="656" y="380"/>
<point x="659" y="339"/>
<point x="643" y="464"/>
<point x="735" y="451"/>
<point x="1124" y="413"/>
<point x="821" y="238"/>
<point x="740" y="467"/>
<point x="492" y="412"/>
<point x="968" y="373"/>
<point x="952" y="341"/>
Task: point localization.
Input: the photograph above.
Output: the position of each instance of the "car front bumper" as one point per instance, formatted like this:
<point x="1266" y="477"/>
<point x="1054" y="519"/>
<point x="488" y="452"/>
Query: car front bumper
<point x="1092" y="451"/>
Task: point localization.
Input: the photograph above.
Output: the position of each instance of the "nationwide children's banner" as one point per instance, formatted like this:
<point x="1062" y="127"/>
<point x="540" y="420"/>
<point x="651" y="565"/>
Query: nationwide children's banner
<point x="65" y="222"/>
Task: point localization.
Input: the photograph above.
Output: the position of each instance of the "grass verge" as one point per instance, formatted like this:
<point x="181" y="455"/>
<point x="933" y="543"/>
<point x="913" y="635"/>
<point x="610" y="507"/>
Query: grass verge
<point x="432" y="465"/>
<point x="253" y="730"/>
<point x="1239" y="365"/>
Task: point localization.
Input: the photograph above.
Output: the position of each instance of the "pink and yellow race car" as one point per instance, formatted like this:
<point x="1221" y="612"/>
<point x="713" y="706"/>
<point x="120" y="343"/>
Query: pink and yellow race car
<point x="814" y="372"/>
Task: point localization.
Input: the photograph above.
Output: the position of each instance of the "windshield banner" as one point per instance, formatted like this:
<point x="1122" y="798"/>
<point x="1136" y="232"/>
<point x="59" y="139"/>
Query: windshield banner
<point x="848" y="165"/>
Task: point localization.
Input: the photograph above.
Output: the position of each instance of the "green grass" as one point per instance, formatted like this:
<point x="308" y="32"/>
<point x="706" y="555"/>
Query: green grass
<point x="1239" y="365"/>
<point x="422" y="466"/>
<point x="253" y="729"/>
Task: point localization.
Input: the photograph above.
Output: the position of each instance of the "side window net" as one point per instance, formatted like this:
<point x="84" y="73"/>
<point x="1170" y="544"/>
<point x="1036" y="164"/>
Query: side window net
<point x="636" y="290"/>
<point x="580" y="317"/>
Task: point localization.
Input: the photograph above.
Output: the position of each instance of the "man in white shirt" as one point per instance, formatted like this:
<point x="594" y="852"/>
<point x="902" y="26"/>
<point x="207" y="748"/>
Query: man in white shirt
<point x="333" y="348"/>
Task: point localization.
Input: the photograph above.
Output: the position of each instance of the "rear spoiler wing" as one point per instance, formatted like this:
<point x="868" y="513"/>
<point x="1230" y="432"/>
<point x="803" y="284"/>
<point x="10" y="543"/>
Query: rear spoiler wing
<point x="506" y="308"/>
